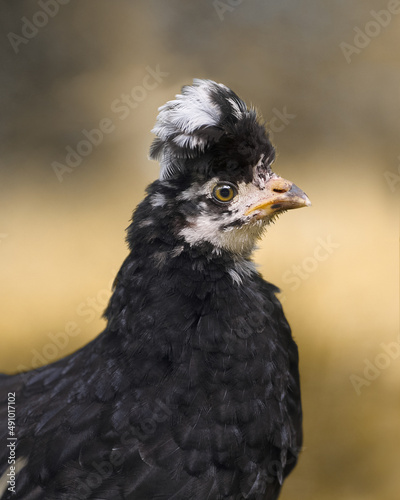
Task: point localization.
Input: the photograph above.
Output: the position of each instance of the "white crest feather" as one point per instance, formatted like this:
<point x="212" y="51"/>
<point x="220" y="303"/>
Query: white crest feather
<point x="190" y="111"/>
<point x="182" y="123"/>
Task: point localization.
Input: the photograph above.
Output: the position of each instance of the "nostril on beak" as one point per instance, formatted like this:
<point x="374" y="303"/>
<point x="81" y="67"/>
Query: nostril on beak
<point x="281" y="186"/>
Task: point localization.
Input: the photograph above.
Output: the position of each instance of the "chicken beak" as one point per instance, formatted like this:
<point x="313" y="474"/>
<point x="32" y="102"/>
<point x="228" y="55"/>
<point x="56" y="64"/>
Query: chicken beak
<point x="277" y="196"/>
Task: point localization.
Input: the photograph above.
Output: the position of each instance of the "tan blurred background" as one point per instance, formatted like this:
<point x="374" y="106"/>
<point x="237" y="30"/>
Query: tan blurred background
<point x="326" y="75"/>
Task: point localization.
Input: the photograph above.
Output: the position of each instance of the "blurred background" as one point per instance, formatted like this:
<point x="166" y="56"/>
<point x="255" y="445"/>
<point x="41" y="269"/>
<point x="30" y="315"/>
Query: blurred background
<point x="80" y="84"/>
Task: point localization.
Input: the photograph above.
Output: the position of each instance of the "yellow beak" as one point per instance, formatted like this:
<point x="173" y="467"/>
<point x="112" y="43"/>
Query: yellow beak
<point x="279" y="194"/>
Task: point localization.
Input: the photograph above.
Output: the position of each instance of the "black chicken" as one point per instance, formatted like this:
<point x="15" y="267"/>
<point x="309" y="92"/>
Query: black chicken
<point x="192" y="390"/>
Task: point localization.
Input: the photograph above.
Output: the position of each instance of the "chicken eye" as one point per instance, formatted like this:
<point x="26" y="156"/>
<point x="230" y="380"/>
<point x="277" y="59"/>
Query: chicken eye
<point x="224" y="192"/>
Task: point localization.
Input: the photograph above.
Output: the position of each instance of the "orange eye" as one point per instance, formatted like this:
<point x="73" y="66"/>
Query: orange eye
<point x="224" y="192"/>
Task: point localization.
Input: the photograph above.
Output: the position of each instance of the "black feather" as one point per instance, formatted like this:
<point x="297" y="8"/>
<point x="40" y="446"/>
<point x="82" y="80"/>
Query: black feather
<point x="192" y="390"/>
